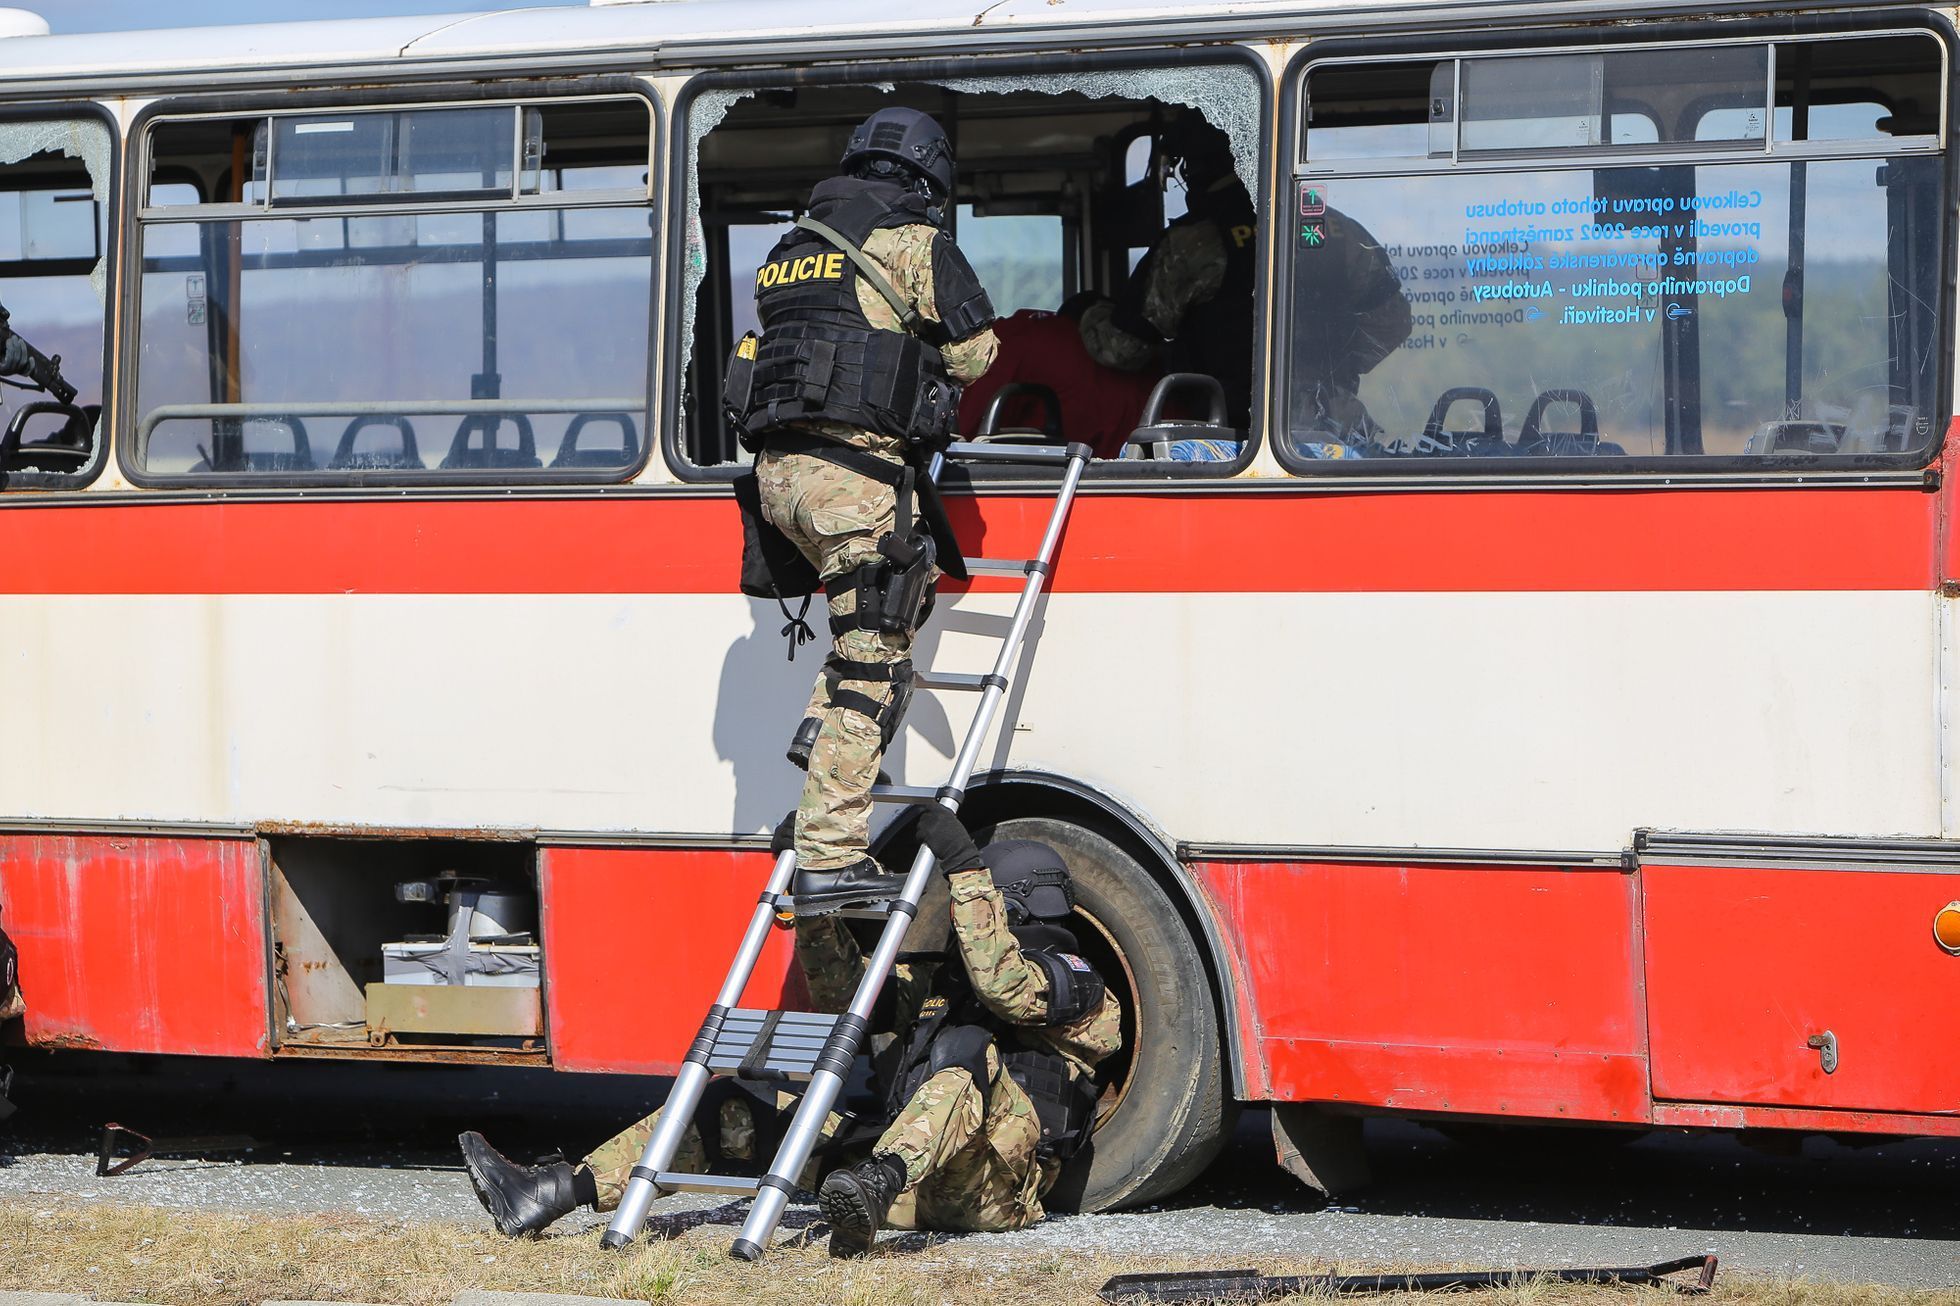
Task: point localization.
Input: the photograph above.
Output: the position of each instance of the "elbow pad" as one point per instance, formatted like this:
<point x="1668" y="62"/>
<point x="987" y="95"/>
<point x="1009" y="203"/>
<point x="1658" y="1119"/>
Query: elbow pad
<point x="964" y="308"/>
<point x="1074" y="988"/>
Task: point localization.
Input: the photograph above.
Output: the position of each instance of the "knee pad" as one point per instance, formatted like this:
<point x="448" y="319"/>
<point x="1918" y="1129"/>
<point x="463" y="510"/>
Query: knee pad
<point x="964" y="1047"/>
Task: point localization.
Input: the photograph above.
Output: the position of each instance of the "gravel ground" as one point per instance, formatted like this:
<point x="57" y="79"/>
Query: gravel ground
<point x="376" y="1141"/>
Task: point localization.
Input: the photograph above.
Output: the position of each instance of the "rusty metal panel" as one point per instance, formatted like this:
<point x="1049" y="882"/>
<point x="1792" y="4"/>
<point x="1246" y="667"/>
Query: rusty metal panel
<point x="453" y="1009"/>
<point x="135" y="944"/>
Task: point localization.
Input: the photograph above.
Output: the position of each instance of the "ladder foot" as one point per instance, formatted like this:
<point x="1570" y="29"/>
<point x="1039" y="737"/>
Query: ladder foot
<point x="744" y="1250"/>
<point x="613" y="1240"/>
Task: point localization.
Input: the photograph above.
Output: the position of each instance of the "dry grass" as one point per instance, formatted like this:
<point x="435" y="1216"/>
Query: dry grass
<point x="177" y="1258"/>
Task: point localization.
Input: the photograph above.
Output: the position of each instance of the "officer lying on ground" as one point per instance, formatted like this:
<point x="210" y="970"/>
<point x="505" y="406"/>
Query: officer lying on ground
<point x="990" y="1085"/>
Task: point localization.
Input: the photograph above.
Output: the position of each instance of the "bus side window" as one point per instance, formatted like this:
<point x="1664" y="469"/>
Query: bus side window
<point x="1059" y="199"/>
<point x="53" y="283"/>
<point x="476" y="309"/>
<point x="1643" y="278"/>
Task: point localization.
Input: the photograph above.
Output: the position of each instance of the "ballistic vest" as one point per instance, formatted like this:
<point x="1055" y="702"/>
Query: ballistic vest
<point x="1064" y="1102"/>
<point x="820" y="359"/>
<point x="1215" y="337"/>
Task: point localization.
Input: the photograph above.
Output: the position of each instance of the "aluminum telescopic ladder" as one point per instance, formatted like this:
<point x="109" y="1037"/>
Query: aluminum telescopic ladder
<point x="814" y="1046"/>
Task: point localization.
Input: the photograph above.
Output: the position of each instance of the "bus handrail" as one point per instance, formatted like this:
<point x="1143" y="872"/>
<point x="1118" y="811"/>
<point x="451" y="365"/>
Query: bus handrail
<point x="380" y="408"/>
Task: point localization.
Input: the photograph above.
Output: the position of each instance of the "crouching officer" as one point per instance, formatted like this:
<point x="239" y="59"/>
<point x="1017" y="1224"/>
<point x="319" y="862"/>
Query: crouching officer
<point x="993" y="1089"/>
<point x="989" y="1081"/>
<point x="871" y="321"/>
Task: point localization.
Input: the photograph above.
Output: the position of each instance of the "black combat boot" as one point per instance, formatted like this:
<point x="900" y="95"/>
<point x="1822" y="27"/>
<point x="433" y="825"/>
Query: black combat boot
<point x="864" y="881"/>
<point x="855" y="1202"/>
<point x="520" y="1198"/>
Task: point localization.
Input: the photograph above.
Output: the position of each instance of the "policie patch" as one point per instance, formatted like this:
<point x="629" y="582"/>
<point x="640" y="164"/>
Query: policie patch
<point x="932" y="1007"/>
<point x="790" y="271"/>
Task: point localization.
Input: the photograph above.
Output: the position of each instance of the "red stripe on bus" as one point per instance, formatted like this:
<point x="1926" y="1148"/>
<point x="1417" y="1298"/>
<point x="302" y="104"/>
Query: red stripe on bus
<point x="1655" y="540"/>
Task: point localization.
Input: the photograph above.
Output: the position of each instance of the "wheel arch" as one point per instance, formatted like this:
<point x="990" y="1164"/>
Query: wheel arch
<point x="996" y="796"/>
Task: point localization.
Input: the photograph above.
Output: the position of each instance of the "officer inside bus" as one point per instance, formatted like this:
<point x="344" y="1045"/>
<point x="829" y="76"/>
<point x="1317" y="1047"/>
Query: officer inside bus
<point x="988" y="1086"/>
<point x="16" y="358"/>
<point x="1188" y="305"/>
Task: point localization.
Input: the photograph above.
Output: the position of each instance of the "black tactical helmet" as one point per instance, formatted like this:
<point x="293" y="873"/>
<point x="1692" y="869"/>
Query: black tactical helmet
<point x="1201" y="151"/>
<point x="1033" y="880"/>
<point x="902" y="145"/>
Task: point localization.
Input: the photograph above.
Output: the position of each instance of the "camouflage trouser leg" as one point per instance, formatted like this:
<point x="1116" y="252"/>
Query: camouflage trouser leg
<point x="836" y="517"/>
<point x="972" y="1174"/>
<point x="612" y="1162"/>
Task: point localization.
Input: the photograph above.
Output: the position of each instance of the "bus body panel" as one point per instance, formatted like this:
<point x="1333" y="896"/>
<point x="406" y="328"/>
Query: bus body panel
<point x="1746" y="964"/>
<point x="640" y="941"/>
<point x="140" y="944"/>
<point x="1499" y="990"/>
<point x="416" y="664"/>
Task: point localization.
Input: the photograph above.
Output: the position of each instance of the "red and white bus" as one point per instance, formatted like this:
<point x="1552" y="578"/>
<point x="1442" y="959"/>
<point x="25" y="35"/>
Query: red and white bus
<point x="1547" y="712"/>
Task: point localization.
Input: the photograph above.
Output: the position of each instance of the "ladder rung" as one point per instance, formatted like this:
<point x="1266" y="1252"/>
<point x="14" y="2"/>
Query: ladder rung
<point x="869" y="911"/>
<point x="951" y="680"/>
<point x="999" y="566"/>
<point x="903" y="794"/>
<point x="770" y="1044"/>
<point x="990" y="452"/>
<point x="724" y="1185"/>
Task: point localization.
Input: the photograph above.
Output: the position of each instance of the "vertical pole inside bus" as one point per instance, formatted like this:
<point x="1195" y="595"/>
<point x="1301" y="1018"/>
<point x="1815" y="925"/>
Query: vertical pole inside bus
<point x="1797" y="59"/>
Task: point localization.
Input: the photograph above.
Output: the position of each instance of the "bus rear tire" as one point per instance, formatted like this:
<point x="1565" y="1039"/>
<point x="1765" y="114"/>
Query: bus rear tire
<point x="1167" y="1110"/>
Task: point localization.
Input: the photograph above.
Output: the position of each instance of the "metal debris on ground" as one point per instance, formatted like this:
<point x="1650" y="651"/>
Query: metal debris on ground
<point x="1250" y="1285"/>
<point x="115" y="1137"/>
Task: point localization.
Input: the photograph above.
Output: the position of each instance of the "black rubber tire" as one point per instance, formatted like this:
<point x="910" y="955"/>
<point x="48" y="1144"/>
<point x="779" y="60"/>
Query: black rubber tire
<point x="1175" y="1111"/>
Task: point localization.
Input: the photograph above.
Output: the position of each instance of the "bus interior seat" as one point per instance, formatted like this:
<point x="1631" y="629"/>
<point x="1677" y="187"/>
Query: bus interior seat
<point x="1534" y="441"/>
<point x="1440" y="438"/>
<point x="1156" y="434"/>
<point x="1050" y="430"/>
<point x="1799" y="435"/>
<point x="623" y="454"/>
<point x="346" y="457"/>
<point x="297" y="458"/>
<point x="486" y="452"/>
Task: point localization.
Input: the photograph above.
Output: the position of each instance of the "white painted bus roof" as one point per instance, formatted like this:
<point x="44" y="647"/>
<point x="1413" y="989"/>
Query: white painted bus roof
<point x="668" y="32"/>
<point x="641" y="27"/>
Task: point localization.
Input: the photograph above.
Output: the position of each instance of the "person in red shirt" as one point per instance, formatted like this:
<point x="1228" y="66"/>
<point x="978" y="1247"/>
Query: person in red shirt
<point x="1100" y="405"/>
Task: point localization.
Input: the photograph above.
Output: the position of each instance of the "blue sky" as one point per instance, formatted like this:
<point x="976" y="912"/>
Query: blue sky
<point x="121" y="15"/>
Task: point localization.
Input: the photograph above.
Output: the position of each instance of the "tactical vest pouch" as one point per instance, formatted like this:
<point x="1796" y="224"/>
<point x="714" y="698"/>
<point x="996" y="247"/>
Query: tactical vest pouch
<point x="1064" y="1105"/>
<point x="738" y="389"/>
<point x="906" y="390"/>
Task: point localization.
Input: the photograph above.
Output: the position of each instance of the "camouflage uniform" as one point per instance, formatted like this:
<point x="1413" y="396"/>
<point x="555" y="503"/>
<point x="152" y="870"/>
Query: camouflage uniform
<point x="836" y="516"/>
<point x="1188" y="268"/>
<point x="1191" y="298"/>
<point x="970" y="1158"/>
<point x="966" y="1168"/>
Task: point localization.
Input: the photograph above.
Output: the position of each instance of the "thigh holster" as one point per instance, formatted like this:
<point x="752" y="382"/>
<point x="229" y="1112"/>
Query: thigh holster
<point x="893" y="590"/>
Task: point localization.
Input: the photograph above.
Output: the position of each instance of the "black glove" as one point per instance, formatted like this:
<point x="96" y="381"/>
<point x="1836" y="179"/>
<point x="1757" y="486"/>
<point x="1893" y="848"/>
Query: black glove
<point x="785" y="836"/>
<point x="952" y="847"/>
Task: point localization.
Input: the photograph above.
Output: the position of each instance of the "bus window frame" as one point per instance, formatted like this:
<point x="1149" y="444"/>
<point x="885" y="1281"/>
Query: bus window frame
<point x="1198" y="475"/>
<point x="541" y="93"/>
<point x="46" y="111"/>
<point x="1913" y="467"/>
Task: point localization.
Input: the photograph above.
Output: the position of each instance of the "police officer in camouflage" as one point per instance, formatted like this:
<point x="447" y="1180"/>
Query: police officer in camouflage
<point x="988" y="1082"/>
<point x="871" y="319"/>
<point x="1188" y="305"/>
